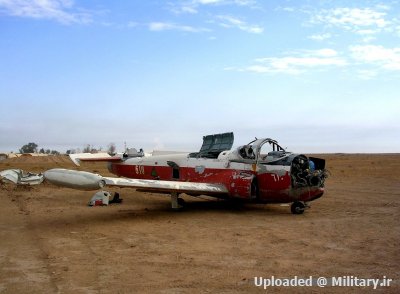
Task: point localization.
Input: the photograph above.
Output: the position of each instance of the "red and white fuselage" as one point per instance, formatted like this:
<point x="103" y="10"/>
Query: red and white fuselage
<point x="246" y="176"/>
<point x="260" y="172"/>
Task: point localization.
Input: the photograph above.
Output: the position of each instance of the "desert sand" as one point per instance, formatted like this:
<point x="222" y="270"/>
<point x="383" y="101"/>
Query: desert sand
<point x="52" y="242"/>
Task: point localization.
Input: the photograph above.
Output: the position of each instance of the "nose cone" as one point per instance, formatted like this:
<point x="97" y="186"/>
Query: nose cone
<point x="74" y="179"/>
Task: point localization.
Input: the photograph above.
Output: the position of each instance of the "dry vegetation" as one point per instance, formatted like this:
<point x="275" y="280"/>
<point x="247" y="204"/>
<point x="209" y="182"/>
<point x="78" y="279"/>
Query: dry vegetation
<point x="50" y="241"/>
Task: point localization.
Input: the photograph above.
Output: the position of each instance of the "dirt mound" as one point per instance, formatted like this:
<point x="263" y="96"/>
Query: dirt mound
<point x="39" y="164"/>
<point x="38" y="159"/>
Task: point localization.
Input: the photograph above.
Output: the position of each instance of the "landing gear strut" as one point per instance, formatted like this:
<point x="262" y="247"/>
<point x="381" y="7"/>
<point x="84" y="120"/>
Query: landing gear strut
<point x="176" y="202"/>
<point x="297" y="207"/>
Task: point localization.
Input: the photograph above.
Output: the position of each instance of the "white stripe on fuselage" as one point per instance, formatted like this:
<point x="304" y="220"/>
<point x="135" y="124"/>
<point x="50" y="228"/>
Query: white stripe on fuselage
<point x="183" y="160"/>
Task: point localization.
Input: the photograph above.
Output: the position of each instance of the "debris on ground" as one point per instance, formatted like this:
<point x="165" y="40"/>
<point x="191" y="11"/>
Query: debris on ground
<point x="19" y="177"/>
<point x="102" y="198"/>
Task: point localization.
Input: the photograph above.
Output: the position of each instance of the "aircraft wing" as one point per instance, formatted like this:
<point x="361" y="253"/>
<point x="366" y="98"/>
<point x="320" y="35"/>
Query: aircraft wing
<point x="88" y="181"/>
<point x="77" y="158"/>
<point x="168" y="186"/>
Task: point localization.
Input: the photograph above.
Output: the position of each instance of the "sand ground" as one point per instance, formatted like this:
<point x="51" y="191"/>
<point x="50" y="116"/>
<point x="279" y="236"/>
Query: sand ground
<point x="51" y="242"/>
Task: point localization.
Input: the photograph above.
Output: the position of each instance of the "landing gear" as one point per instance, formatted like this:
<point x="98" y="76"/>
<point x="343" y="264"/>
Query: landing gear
<point x="177" y="203"/>
<point x="181" y="202"/>
<point x="254" y="189"/>
<point x="297" y="207"/>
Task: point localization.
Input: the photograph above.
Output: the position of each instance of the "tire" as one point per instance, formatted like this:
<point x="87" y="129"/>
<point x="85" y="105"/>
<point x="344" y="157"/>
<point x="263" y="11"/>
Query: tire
<point x="297" y="207"/>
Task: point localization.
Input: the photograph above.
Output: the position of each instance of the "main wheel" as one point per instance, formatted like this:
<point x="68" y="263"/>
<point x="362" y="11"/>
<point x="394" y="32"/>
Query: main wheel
<point x="297" y="207"/>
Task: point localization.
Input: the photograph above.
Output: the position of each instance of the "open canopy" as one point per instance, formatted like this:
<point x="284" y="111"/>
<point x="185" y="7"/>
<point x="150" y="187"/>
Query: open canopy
<point x="213" y="145"/>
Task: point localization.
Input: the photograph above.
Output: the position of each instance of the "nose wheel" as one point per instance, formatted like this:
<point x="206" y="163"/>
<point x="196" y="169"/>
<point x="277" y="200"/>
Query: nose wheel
<point x="298" y="207"/>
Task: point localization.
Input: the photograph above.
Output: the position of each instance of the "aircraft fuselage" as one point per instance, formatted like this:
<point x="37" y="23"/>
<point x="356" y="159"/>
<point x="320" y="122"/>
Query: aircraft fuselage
<point x="247" y="179"/>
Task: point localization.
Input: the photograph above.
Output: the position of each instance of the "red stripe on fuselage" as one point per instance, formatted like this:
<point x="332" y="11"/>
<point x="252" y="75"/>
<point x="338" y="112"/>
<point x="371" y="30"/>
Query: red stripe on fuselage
<point x="208" y="175"/>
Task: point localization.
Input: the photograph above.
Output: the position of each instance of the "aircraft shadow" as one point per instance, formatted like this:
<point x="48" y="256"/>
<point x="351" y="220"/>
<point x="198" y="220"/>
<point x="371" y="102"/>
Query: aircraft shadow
<point x="160" y="211"/>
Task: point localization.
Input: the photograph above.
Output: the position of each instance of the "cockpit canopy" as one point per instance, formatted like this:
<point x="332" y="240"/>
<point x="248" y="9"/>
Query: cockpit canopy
<point x="261" y="149"/>
<point x="213" y="145"/>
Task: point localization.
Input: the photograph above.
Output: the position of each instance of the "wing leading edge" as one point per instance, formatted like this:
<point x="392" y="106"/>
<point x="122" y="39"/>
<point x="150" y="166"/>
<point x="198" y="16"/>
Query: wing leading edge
<point x="168" y="186"/>
<point x="77" y="158"/>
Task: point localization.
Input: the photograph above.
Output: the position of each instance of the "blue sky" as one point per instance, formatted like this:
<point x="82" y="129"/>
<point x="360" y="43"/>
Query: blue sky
<point x="318" y="76"/>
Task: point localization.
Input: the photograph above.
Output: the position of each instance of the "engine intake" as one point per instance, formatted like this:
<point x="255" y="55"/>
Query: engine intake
<point x="308" y="172"/>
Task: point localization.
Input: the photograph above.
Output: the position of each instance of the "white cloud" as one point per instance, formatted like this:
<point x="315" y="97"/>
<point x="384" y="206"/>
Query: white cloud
<point x="225" y="2"/>
<point x="60" y="10"/>
<point x="183" y="8"/>
<point x="132" y="24"/>
<point x="232" y="22"/>
<point x="385" y="58"/>
<point x="366" y="32"/>
<point x="226" y="21"/>
<point x="320" y="37"/>
<point x="209" y="1"/>
<point x="160" y="26"/>
<point x="359" y="20"/>
<point x="366" y="74"/>
<point x="365" y="61"/>
<point x="288" y="9"/>
<point x="193" y="6"/>
<point x="368" y="39"/>
<point x="297" y="63"/>
<point x="188" y="9"/>
<point x="325" y="52"/>
<point x="284" y="63"/>
<point x="167" y="26"/>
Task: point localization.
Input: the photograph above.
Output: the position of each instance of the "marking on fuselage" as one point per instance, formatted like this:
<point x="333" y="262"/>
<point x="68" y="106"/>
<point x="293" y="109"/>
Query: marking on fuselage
<point x="139" y="169"/>
<point x="277" y="178"/>
<point x="154" y="173"/>
<point x="199" y="169"/>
